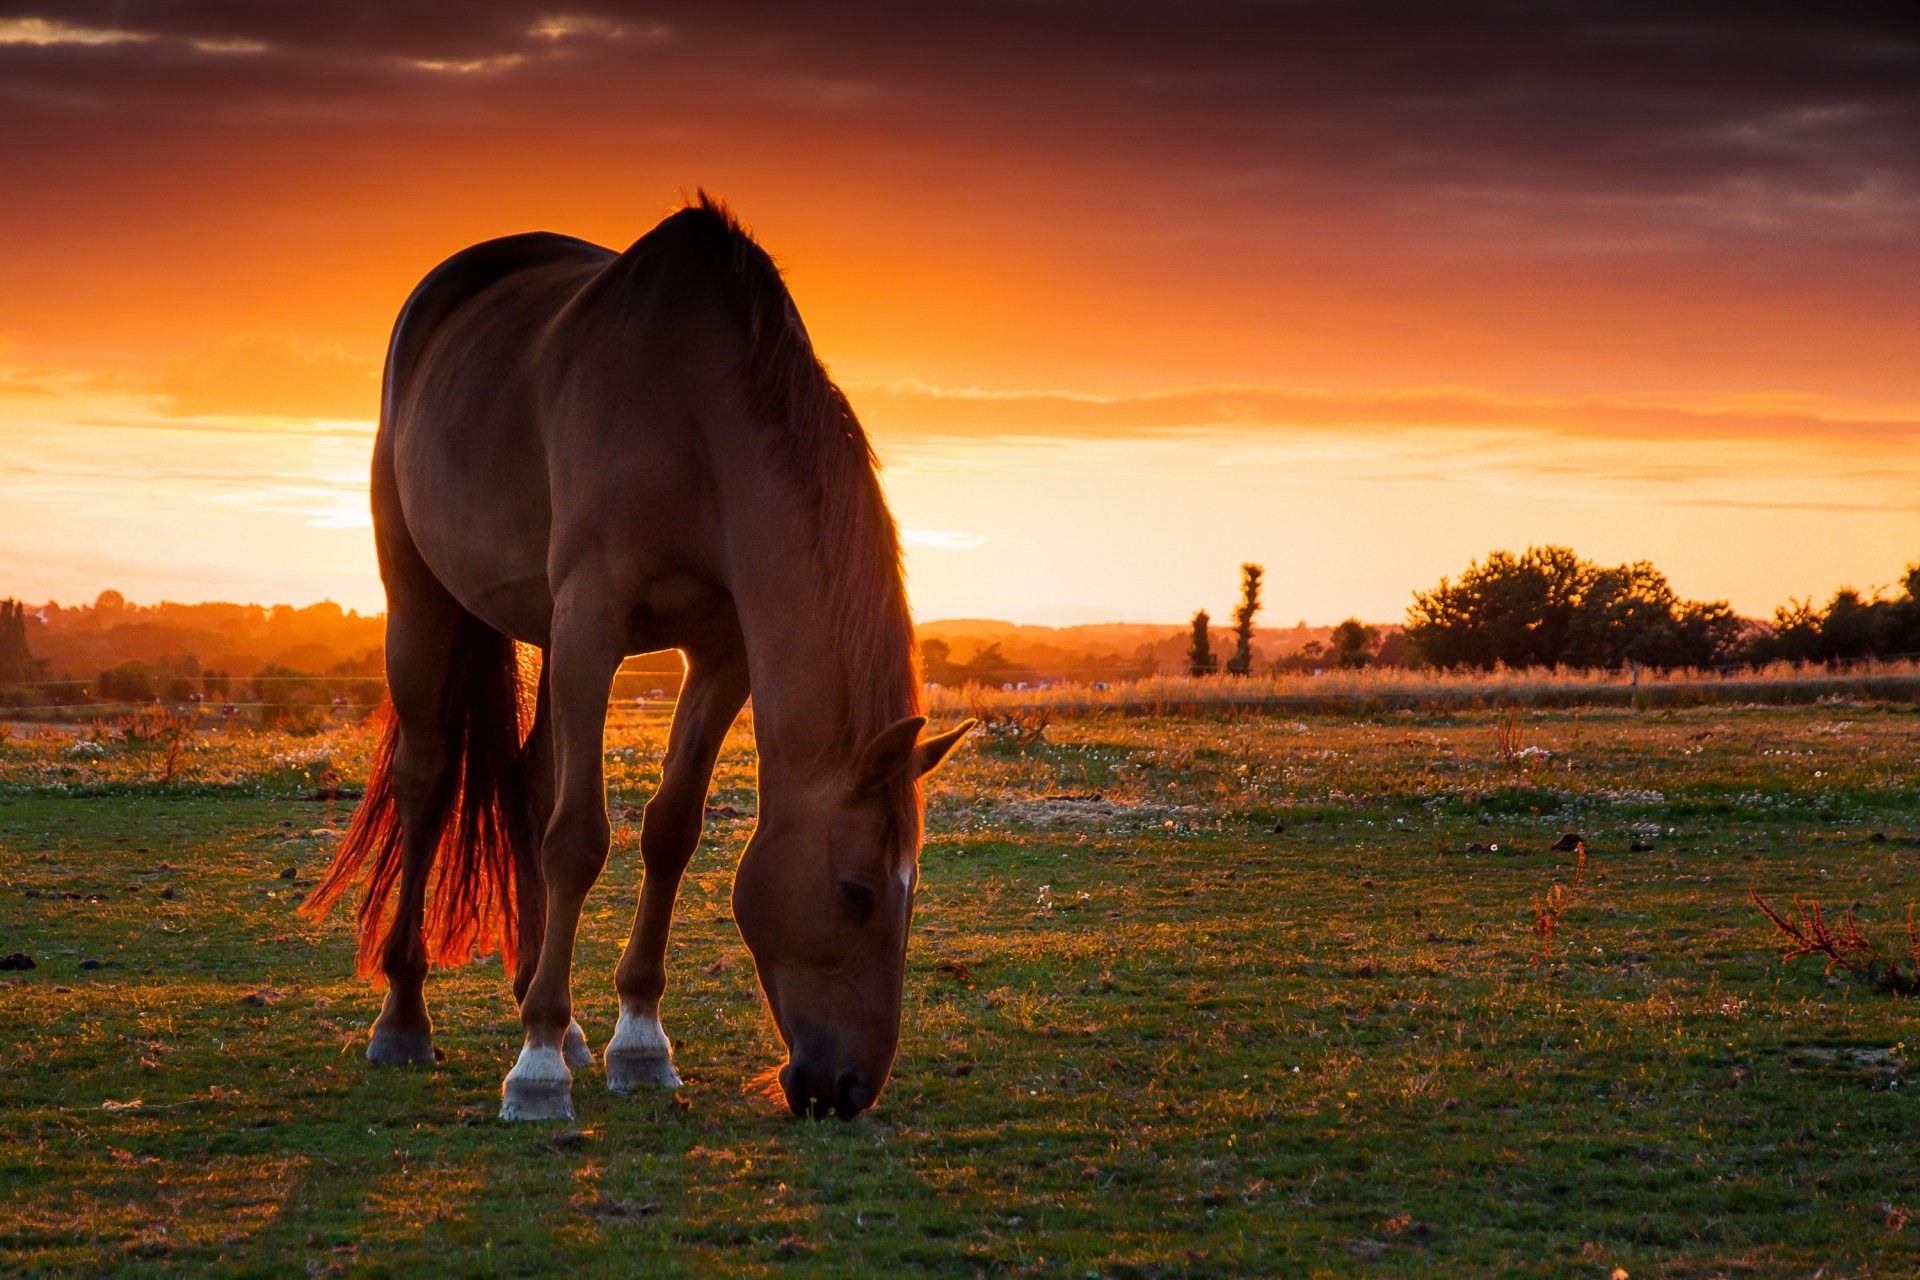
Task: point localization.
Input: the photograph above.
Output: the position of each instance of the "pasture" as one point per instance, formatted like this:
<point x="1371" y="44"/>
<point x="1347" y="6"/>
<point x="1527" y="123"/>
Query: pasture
<point x="1214" y="995"/>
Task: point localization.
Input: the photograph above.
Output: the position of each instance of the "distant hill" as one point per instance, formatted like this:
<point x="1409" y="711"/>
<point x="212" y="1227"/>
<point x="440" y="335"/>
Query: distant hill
<point x="77" y="642"/>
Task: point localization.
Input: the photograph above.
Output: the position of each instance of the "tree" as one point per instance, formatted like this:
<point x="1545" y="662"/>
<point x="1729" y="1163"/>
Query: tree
<point x="937" y="664"/>
<point x="1394" y="651"/>
<point x="1548" y="607"/>
<point x="1852" y="627"/>
<point x="177" y="678"/>
<point x="128" y="682"/>
<point x="1516" y="610"/>
<point x="17" y="663"/>
<point x="1242" y="661"/>
<point x="989" y="666"/>
<point x="1848" y="626"/>
<point x="1794" y="635"/>
<point x="1352" y="644"/>
<point x="1622" y="613"/>
<point x="1903" y="615"/>
<point x="290" y="697"/>
<point x="1201" y="660"/>
<point x="1709" y="634"/>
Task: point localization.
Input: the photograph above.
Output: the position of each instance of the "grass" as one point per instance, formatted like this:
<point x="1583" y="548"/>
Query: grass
<point x="1203" y="996"/>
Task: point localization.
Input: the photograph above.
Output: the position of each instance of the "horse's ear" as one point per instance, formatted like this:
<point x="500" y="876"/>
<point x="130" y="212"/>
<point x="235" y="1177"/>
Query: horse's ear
<point x="931" y="751"/>
<point x="889" y="754"/>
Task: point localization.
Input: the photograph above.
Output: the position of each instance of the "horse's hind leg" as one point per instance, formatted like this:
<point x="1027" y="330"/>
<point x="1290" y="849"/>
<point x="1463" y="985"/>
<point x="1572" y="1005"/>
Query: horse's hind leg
<point x="421" y="633"/>
<point x="585" y="653"/>
<point x="532" y="893"/>
<point x="640" y="1053"/>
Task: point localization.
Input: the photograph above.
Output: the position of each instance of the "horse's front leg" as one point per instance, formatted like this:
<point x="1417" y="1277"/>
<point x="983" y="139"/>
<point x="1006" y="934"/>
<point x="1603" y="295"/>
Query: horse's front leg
<point x="640" y="1053"/>
<point x="584" y="655"/>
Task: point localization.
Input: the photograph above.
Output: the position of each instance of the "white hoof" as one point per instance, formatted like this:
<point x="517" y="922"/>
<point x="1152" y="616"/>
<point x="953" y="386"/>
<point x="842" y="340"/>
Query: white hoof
<point x="538" y="1088"/>
<point x="574" y="1048"/>
<point x="639" y="1056"/>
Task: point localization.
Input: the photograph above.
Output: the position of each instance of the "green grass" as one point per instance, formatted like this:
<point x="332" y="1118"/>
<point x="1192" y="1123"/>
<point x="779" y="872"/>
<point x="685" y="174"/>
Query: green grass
<point x="1146" y="1034"/>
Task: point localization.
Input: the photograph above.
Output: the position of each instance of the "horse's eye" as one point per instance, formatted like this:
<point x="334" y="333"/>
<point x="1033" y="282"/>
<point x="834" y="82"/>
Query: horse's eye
<point x="856" y="898"/>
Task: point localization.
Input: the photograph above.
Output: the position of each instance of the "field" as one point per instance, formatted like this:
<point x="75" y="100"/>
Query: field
<point x="1209" y="995"/>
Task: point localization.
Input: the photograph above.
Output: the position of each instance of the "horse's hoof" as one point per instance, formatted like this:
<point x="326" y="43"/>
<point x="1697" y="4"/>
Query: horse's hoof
<point x="574" y="1048"/>
<point x="640" y="1056"/>
<point x="628" y="1070"/>
<point x="538" y="1088"/>
<point x="392" y="1047"/>
<point x="537" y="1100"/>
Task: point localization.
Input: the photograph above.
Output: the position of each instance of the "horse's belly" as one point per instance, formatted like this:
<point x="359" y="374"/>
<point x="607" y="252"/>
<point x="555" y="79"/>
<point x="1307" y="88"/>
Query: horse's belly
<point x="481" y="520"/>
<point x="475" y="505"/>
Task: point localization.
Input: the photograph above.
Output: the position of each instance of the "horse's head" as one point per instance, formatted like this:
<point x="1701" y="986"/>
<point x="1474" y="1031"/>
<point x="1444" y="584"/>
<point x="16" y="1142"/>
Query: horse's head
<point x="823" y="897"/>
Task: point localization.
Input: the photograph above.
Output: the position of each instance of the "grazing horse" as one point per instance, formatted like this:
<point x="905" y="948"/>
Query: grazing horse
<point x="601" y="454"/>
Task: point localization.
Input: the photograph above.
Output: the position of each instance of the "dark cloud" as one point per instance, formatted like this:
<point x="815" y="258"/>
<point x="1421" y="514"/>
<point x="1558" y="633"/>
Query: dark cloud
<point x="1729" y="103"/>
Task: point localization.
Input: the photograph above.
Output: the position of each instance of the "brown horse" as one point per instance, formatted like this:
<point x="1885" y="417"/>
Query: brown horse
<point x="597" y="455"/>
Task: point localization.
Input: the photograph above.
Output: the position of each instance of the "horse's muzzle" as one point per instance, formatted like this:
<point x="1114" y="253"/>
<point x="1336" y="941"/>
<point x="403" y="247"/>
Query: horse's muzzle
<point x="810" y="1094"/>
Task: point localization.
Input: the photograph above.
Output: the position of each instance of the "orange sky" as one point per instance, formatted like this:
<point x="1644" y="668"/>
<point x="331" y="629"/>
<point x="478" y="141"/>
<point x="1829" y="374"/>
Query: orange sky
<point x="1358" y="292"/>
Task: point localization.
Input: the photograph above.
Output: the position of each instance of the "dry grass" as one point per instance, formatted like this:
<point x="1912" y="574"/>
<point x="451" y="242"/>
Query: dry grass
<point x="1847" y="949"/>
<point x="1508" y="742"/>
<point x="1399" y="688"/>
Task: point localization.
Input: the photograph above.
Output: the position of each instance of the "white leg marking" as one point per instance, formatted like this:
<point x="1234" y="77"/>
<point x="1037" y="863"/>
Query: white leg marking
<point x="639" y="1054"/>
<point x="538" y="1088"/>
<point x="640" y="1033"/>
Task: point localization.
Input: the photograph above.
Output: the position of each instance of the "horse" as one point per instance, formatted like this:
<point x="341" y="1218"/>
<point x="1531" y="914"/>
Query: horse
<point x="592" y="455"/>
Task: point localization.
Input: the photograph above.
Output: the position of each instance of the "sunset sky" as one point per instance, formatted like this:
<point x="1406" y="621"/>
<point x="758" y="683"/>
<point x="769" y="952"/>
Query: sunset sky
<point x="1126" y="294"/>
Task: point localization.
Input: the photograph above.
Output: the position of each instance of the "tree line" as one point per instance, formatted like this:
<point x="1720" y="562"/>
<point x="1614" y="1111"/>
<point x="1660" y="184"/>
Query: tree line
<point x="1548" y="607"/>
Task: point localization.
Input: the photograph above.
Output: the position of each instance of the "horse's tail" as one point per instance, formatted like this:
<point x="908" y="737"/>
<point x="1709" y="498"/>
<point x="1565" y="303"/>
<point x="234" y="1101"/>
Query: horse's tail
<point x="485" y="859"/>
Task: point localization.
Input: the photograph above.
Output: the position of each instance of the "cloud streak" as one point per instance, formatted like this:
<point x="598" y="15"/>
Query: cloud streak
<point x="908" y="407"/>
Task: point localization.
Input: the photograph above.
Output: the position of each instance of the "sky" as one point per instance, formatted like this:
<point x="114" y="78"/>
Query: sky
<point x="1125" y="294"/>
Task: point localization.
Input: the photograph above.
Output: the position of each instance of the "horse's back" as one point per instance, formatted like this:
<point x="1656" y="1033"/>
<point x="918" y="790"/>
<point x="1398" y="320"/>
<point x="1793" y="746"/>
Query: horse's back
<point x="464" y="277"/>
<point x="459" y="429"/>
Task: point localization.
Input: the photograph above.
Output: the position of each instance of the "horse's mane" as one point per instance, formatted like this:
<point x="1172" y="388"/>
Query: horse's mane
<point x="828" y="455"/>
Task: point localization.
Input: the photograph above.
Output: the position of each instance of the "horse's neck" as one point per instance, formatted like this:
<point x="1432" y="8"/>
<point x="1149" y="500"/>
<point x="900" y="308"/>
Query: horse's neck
<point x="799" y="679"/>
<point x="784" y="592"/>
<point x="800" y="701"/>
